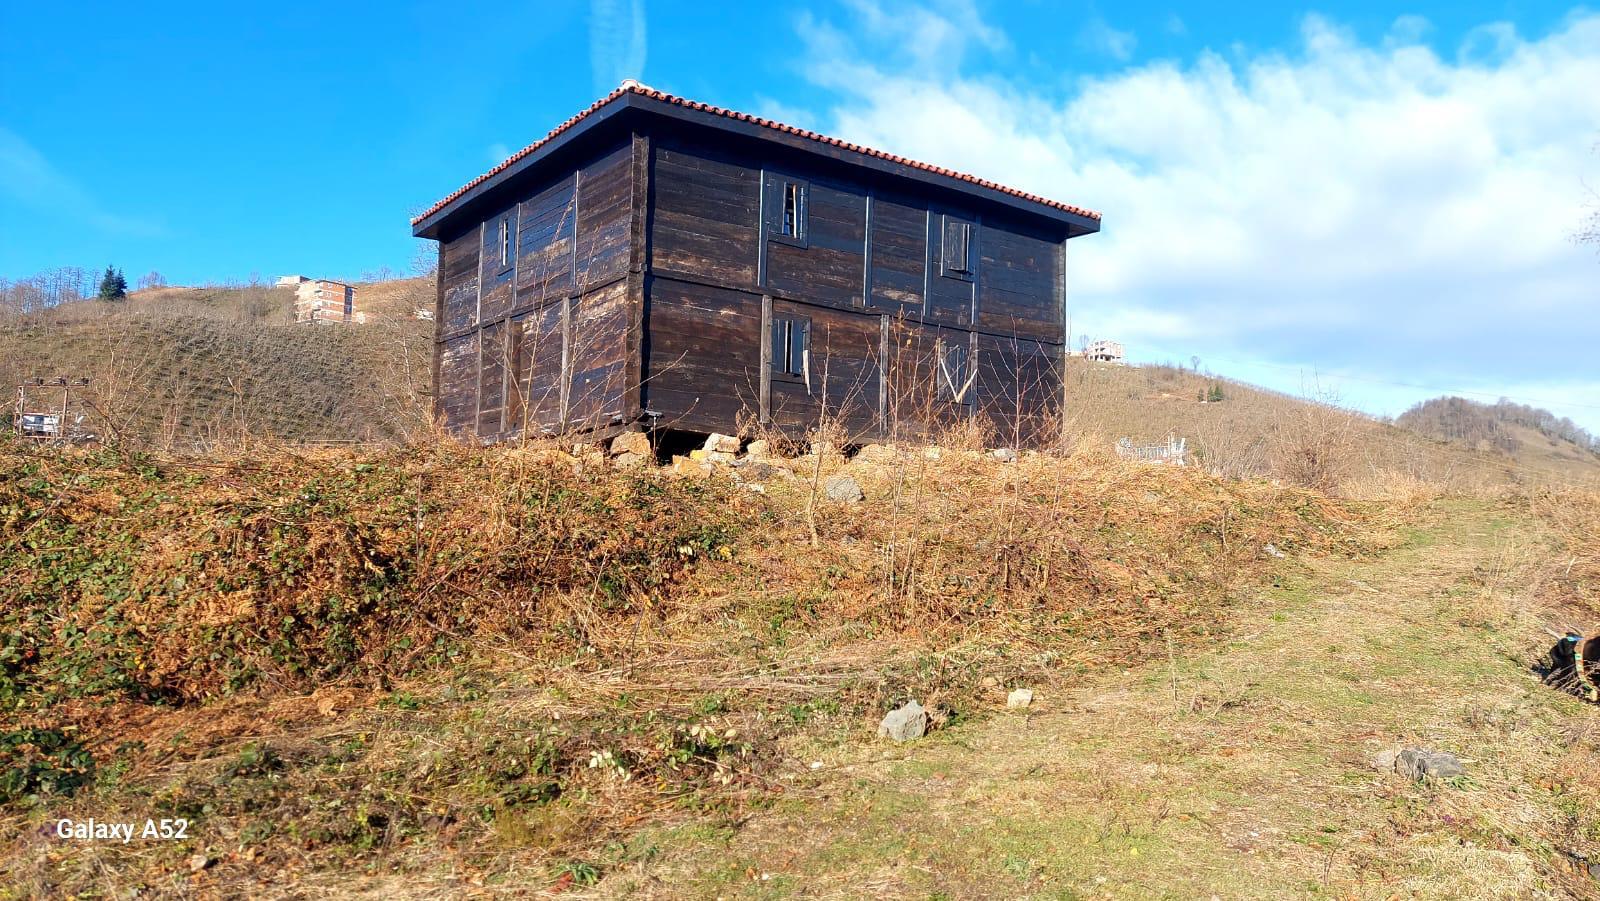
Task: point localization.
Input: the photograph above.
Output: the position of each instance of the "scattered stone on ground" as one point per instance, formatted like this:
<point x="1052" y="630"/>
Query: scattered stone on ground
<point x="844" y="489"/>
<point x="933" y="452"/>
<point x="1271" y="550"/>
<point x="630" y="460"/>
<point x="726" y="444"/>
<point x="877" y="453"/>
<point x="904" y="723"/>
<point x="637" y="443"/>
<point x="720" y="457"/>
<point x="1420" y="763"/>
<point x="1020" y="697"/>
<point x="756" y="471"/>
<point x="1004" y="454"/>
<point x="759" y="449"/>
<point x="823" y="449"/>
<point x="690" y="467"/>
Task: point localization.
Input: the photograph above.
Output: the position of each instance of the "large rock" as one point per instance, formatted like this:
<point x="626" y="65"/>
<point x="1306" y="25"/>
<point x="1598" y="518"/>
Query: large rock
<point x="1420" y="763"/>
<point x="632" y="443"/>
<point x="1004" y="454"/>
<point x="843" y="489"/>
<point x="904" y="723"/>
<point x="1020" y="697"/>
<point x="724" y="444"/>
<point x="759" y="449"/>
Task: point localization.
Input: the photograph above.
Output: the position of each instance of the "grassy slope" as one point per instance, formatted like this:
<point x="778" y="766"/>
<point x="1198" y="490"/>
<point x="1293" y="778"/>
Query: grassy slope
<point x="406" y="662"/>
<point x="172" y="365"/>
<point x="1240" y="771"/>
<point x="1240" y="435"/>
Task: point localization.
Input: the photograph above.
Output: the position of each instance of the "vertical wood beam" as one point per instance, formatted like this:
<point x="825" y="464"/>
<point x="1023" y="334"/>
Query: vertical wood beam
<point x="638" y="263"/>
<point x="766" y="358"/>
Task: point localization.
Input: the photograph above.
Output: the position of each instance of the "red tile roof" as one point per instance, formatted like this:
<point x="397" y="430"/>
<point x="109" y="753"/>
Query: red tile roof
<point x="636" y="88"/>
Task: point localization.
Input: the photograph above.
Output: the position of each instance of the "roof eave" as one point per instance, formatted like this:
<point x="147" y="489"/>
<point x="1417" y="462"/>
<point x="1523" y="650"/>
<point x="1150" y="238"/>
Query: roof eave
<point x="430" y="226"/>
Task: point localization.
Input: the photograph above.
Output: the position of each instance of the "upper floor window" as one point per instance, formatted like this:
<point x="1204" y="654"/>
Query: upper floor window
<point x="505" y="241"/>
<point x="785" y="202"/>
<point x="957" y="255"/>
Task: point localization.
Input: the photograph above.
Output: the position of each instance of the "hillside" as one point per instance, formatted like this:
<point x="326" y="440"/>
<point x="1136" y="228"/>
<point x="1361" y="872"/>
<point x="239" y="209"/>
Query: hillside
<point x="442" y="670"/>
<point x="1507" y="428"/>
<point x="176" y="366"/>
<point x="1242" y="430"/>
<point x="180" y="366"/>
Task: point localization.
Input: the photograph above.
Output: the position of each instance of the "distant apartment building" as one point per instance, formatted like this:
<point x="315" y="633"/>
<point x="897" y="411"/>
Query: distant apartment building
<point x="322" y="300"/>
<point x="1103" y="351"/>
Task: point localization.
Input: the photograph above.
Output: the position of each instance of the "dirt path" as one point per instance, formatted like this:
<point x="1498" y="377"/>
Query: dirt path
<point x="1242" y="771"/>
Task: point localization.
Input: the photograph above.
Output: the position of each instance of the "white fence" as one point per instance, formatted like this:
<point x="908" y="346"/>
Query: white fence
<point x="1170" y="452"/>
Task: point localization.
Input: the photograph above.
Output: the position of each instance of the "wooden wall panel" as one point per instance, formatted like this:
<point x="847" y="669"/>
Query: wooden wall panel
<point x="830" y="268"/>
<point x="458" y="383"/>
<point x="491" y="379"/>
<point x="1018" y="389"/>
<point x="949" y="299"/>
<point x="702" y="355"/>
<point x="544" y="245"/>
<point x="495" y="295"/>
<point x="705" y="224"/>
<point x="458" y="278"/>
<point x="598" y="354"/>
<point x="913" y="409"/>
<point x="843" y="371"/>
<point x="899" y="256"/>
<point x="605" y="195"/>
<point x="1019" y="289"/>
<point x="537" y="355"/>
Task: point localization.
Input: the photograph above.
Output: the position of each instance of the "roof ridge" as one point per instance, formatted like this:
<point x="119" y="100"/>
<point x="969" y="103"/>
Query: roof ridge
<point x="632" y="86"/>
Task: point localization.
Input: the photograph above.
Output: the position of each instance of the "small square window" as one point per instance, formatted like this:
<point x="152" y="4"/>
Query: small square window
<point x="791" y="347"/>
<point x="957" y="255"/>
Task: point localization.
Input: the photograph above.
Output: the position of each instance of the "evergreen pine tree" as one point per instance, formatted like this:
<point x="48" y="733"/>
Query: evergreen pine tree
<point x="113" y="286"/>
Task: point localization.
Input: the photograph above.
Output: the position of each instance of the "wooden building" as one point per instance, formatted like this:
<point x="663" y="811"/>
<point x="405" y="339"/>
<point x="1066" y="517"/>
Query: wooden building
<point x="657" y="262"/>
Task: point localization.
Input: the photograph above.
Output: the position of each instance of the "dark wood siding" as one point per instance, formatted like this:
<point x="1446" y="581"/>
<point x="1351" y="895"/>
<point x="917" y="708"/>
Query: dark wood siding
<point x="538" y="348"/>
<point x="828" y="267"/>
<point x="703" y="354"/>
<point x="544" y="247"/>
<point x="599" y="357"/>
<point x="1019" y="289"/>
<point x="1018" y="389"/>
<point x="842" y="371"/>
<point x="949" y="299"/>
<point x="706" y="220"/>
<point x="458" y="278"/>
<point x="458" y="382"/>
<point x="899" y="256"/>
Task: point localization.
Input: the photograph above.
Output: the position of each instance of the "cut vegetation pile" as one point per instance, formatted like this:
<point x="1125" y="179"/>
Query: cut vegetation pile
<point x="446" y="664"/>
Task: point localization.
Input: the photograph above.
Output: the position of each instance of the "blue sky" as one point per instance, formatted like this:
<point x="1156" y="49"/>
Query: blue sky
<point x="1379" y="200"/>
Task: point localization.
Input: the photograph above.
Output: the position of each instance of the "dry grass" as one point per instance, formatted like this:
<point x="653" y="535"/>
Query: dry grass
<point x="1255" y="433"/>
<point x="189" y="368"/>
<point x="1239" y="770"/>
<point x="502" y="664"/>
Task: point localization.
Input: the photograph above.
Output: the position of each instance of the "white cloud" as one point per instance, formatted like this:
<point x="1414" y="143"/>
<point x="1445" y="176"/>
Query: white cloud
<point x="1098" y="36"/>
<point x="497" y="153"/>
<point x="1383" y="209"/>
<point x="617" y="42"/>
<point x="31" y="180"/>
